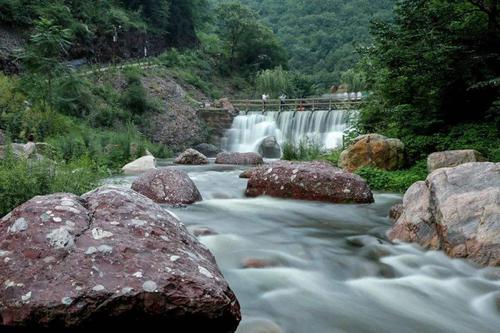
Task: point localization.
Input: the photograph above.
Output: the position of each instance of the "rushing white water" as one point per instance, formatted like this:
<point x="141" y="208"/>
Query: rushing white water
<point x="332" y="268"/>
<point x="324" y="128"/>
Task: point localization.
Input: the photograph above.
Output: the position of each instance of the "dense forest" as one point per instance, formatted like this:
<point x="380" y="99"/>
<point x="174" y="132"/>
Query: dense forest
<point x="322" y="36"/>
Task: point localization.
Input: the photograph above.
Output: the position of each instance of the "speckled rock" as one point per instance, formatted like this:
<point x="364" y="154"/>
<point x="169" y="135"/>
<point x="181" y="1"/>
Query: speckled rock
<point x="318" y="181"/>
<point x="112" y="259"/>
<point x="456" y="210"/>
<point x="239" y="159"/>
<point x="140" y="165"/>
<point x="167" y="186"/>
<point x="373" y="150"/>
<point x="191" y="157"/>
<point x="452" y="158"/>
<point x="396" y="211"/>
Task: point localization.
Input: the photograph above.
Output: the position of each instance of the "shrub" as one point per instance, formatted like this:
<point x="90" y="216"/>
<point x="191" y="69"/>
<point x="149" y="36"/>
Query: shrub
<point x="21" y="180"/>
<point x="304" y="150"/>
<point x="393" y="181"/>
<point x="333" y="156"/>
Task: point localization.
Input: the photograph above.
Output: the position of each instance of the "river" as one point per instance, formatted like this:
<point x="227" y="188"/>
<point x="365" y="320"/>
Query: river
<point x="332" y="267"/>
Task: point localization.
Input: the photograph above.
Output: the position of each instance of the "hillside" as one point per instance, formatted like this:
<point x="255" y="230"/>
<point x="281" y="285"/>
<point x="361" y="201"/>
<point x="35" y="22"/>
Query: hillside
<point x="321" y="36"/>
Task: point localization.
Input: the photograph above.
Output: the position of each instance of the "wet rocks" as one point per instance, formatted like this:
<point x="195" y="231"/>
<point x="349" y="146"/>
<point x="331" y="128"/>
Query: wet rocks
<point x="203" y="231"/>
<point x="246" y="174"/>
<point x="112" y="259"/>
<point x="239" y="159"/>
<point x="270" y="148"/>
<point x="373" y="150"/>
<point x="167" y="186"/>
<point x="191" y="157"/>
<point x="140" y="165"/>
<point x="456" y="210"/>
<point x="452" y="158"/>
<point x="318" y="181"/>
<point x="257" y="263"/>
<point x="396" y="211"/>
<point x="207" y="149"/>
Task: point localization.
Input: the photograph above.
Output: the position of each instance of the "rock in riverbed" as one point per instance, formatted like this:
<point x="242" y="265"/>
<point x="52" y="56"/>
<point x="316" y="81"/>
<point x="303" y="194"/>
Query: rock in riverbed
<point x="112" y="259"/>
<point x="270" y="148"/>
<point x="191" y="157"/>
<point x="207" y="149"/>
<point x="239" y="159"/>
<point x="308" y="181"/>
<point x="456" y="210"/>
<point x="373" y="150"/>
<point x="396" y="211"/>
<point x="140" y="165"/>
<point x="452" y="158"/>
<point x="167" y="186"/>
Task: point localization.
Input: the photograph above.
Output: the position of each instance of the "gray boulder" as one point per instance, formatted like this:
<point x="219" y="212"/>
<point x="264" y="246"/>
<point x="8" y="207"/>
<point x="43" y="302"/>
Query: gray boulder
<point x="112" y="259"/>
<point x="191" y="157"/>
<point x="207" y="149"/>
<point x="270" y="148"/>
<point x="167" y="186"/>
<point x="456" y="210"/>
<point x="452" y="158"/>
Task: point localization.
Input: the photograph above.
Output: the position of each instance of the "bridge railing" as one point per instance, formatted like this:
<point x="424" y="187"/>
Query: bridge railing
<point x="302" y="104"/>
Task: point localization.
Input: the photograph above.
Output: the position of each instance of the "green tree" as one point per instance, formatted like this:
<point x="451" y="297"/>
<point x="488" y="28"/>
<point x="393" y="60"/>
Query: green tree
<point x="44" y="57"/>
<point x="436" y="66"/>
<point x="247" y="42"/>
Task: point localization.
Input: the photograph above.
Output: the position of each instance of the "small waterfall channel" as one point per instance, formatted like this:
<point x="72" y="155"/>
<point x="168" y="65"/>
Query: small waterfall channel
<point x="324" y="128"/>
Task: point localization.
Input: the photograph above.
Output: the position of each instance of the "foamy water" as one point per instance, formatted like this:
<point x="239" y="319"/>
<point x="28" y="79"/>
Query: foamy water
<point x="332" y="267"/>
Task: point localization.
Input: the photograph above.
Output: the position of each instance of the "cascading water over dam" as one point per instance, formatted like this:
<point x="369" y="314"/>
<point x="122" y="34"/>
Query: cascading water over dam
<point x="324" y="128"/>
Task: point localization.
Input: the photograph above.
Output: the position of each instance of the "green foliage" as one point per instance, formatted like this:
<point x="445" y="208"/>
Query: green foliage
<point x="332" y="156"/>
<point x="434" y="77"/>
<point x="321" y="36"/>
<point x="135" y="97"/>
<point x="278" y="81"/>
<point x="247" y="43"/>
<point x="43" y="57"/>
<point x="20" y="180"/>
<point x="304" y="150"/>
<point x="393" y="181"/>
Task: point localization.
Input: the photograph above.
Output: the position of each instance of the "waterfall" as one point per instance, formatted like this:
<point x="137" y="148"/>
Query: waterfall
<point x="324" y="128"/>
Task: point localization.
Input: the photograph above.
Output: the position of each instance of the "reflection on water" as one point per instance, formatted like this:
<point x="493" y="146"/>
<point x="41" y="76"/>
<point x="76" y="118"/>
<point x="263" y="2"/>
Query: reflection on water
<point x="329" y="268"/>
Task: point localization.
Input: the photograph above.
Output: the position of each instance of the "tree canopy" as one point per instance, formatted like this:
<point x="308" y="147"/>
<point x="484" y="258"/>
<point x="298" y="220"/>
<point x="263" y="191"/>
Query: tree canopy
<point x="435" y="67"/>
<point x="321" y="36"/>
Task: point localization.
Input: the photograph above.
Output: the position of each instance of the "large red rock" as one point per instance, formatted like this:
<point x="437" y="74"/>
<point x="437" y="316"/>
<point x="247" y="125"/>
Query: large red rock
<point x="239" y="159"/>
<point x="167" y="186"/>
<point x="456" y="210"/>
<point x="308" y="181"/>
<point x="112" y="259"/>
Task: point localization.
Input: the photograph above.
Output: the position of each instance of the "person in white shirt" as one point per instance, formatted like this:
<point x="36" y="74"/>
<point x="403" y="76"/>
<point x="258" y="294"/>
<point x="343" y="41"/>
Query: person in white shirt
<point x="282" y="101"/>
<point x="265" y="97"/>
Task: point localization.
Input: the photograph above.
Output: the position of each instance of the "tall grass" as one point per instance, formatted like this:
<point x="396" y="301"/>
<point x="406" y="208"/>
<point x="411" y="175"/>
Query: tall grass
<point x="21" y="179"/>
<point x="304" y="150"/>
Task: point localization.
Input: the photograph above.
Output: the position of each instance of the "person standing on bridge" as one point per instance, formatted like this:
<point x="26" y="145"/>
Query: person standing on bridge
<point x="265" y="97"/>
<point x="282" y="101"/>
